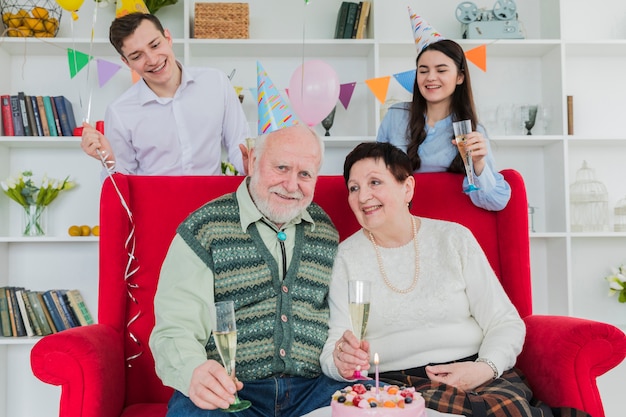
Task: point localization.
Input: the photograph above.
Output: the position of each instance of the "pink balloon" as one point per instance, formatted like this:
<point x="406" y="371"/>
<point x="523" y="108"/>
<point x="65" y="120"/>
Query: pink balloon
<point x="313" y="91"/>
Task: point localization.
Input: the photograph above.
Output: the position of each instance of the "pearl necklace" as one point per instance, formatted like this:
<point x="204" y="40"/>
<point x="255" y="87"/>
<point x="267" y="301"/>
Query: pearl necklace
<point x="379" y="259"/>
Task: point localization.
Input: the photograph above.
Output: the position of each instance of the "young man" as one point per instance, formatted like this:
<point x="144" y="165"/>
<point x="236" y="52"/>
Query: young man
<point x="271" y="251"/>
<point x="176" y="119"/>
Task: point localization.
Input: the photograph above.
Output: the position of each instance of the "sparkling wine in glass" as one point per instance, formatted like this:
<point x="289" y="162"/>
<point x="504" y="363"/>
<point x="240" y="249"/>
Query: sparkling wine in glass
<point x="462" y="128"/>
<point x="359" y="307"/>
<point x="225" y="336"/>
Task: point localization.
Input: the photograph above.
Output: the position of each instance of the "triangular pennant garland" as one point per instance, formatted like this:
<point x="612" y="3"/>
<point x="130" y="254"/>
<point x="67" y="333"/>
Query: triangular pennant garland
<point x="478" y="56"/>
<point x="134" y="76"/>
<point x="379" y="87"/>
<point x="77" y="61"/>
<point x="406" y="79"/>
<point x="345" y="94"/>
<point x="106" y="70"/>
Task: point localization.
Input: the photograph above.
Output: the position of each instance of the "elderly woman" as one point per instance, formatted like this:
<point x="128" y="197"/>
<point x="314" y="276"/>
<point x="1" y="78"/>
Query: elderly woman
<point x="439" y="318"/>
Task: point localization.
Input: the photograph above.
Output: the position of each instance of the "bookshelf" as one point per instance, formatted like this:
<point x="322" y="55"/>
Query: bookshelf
<point x="555" y="60"/>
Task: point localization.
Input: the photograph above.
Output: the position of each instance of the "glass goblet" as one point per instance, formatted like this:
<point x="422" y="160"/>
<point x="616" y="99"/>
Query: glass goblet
<point x="462" y="128"/>
<point x="359" y="296"/>
<point x="225" y="336"/>
<point x="327" y="123"/>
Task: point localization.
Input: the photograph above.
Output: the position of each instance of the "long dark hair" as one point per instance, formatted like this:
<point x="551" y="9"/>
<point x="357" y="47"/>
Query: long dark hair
<point x="462" y="106"/>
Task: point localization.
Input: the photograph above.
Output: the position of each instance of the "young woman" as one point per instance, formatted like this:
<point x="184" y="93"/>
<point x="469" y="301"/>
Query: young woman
<point x="423" y="127"/>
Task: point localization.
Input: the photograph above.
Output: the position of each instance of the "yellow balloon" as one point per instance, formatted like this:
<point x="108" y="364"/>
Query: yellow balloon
<point x="71" y="6"/>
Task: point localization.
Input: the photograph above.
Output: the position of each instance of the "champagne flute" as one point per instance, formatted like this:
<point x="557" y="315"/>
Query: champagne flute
<point x="462" y="128"/>
<point x="359" y="293"/>
<point x="225" y="336"/>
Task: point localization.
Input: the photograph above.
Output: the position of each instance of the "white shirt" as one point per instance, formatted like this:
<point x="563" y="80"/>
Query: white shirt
<point x="457" y="309"/>
<point x="180" y="135"/>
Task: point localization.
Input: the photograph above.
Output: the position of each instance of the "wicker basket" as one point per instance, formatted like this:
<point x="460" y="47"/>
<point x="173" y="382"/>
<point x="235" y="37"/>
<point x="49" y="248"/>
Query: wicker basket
<point x="221" y="21"/>
<point x="26" y="18"/>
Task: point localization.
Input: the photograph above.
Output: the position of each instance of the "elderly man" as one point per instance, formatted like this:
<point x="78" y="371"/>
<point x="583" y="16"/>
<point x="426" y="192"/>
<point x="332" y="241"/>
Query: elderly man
<point x="270" y="249"/>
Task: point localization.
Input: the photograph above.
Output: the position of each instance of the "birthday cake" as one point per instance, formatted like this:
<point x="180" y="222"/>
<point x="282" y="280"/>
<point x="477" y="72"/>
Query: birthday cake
<point x="361" y="400"/>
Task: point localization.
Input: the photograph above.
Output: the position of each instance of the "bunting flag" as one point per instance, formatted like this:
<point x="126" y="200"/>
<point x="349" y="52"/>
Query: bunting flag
<point x="406" y="79"/>
<point x="379" y="87"/>
<point x="135" y="76"/>
<point x="238" y="90"/>
<point x="106" y="70"/>
<point x="77" y="61"/>
<point x="478" y="56"/>
<point x="345" y="94"/>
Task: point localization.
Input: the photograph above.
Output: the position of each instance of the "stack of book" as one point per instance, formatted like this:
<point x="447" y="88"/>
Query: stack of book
<point x="352" y="20"/>
<point x="24" y="115"/>
<point x="39" y="313"/>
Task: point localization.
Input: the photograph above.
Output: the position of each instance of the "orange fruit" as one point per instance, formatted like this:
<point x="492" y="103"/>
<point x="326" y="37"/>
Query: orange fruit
<point x="74" y="231"/>
<point x="39" y="12"/>
<point x="85" y="230"/>
<point x="95" y="230"/>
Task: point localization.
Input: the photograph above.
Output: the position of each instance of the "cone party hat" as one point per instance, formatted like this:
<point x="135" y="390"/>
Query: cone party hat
<point x="274" y="113"/>
<point x="423" y="33"/>
<point x="124" y="7"/>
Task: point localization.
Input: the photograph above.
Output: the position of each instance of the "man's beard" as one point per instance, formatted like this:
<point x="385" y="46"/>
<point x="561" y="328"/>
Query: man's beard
<point x="277" y="214"/>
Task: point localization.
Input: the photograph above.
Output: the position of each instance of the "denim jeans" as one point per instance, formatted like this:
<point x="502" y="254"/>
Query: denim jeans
<point x="281" y="396"/>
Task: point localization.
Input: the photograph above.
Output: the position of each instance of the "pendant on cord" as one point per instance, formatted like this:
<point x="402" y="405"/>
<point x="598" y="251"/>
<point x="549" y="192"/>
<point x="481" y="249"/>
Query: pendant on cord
<point x="282" y="236"/>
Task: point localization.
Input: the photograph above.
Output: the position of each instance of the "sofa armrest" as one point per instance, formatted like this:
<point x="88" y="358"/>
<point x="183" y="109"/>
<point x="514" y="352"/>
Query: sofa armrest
<point x="563" y="356"/>
<point x="88" y="363"/>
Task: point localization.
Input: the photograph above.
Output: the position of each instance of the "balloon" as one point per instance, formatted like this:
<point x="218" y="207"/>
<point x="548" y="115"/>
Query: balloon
<point x="313" y="91"/>
<point x="71" y="6"/>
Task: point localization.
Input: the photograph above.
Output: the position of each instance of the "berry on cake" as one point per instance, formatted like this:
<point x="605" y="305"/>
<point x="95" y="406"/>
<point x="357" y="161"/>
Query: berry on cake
<point x="361" y="400"/>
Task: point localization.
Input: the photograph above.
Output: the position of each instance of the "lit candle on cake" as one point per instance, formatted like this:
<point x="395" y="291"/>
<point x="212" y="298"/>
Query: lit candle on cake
<point x="376" y="372"/>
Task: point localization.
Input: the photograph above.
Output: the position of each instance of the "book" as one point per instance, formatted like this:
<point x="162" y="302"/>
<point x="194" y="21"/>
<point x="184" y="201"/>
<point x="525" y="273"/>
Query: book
<point x="16" y="110"/>
<point x="7" y="115"/>
<point x="43" y="117"/>
<point x="356" y="19"/>
<point x="362" y="24"/>
<point x="66" y="315"/>
<point x="57" y="122"/>
<point x="15" y="313"/>
<point x="341" y="19"/>
<point x="80" y="308"/>
<point x="47" y="105"/>
<point x="66" y="115"/>
<point x="25" y="117"/>
<point x="54" y="312"/>
<point x="37" y="118"/>
<point x="4" y="314"/>
<point x="46" y="312"/>
<point x="350" y="20"/>
<point x="28" y="325"/>
<point x="38" y="309"/>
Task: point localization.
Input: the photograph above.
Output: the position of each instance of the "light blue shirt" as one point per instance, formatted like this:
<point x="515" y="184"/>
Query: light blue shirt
<point x="437" y="152"/>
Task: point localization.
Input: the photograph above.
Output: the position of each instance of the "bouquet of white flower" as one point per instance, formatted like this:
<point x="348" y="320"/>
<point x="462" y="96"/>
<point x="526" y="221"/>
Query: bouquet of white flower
<point x="34" y="197"/>
<point x="617" y="283"/>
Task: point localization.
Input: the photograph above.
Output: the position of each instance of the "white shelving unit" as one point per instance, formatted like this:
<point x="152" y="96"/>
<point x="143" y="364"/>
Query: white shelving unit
<point x="556" y="59"/>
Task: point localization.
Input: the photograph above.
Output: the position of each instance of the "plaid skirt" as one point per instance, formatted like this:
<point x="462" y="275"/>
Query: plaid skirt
<point x="507" y="396"/>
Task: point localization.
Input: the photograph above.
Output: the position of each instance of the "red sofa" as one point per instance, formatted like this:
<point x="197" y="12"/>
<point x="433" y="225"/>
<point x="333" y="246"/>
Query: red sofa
<point x="101" y="375"/>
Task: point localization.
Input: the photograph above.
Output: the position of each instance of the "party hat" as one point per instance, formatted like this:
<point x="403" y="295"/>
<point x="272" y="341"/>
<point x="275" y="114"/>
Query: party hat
<point x="274" y="113"/>
<point x="423" y="33"/>
<point x="124" y="7"/>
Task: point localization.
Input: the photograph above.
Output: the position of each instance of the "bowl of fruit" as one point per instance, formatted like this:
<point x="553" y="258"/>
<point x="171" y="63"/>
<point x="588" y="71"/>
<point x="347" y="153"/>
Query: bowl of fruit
<point x="28" y="18"/>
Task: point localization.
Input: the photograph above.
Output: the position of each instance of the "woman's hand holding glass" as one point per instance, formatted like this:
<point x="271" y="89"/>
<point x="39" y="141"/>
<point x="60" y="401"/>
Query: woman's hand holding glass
<point x="351" y="355"/>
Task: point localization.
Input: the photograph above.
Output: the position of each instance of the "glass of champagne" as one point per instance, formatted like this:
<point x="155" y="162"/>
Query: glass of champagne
<point x="462" y="128"/>
<point x="359" y="298"/>
<point x="225" y="336"/>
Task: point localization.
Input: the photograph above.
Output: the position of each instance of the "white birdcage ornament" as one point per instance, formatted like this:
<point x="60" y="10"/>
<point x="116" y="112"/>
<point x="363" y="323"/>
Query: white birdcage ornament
<point x="589" y="202"/>
<point x="619" y="224"/>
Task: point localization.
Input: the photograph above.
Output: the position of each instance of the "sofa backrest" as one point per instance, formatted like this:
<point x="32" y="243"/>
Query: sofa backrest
<point x="145" y="211"/>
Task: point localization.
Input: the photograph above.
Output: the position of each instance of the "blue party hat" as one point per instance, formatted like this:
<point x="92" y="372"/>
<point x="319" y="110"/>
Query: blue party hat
<point x="274" y="113"/>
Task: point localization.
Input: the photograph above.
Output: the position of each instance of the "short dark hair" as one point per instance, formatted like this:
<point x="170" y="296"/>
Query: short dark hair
<point x="124" y="26"/>
<point x="396" y="161"/>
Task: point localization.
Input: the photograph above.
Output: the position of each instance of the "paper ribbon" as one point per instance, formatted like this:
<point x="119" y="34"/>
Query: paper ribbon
<point x="132" y="265"/>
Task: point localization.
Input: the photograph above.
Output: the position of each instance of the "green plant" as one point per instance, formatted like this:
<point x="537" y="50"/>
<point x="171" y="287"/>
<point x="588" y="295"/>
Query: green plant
<point x="156" y="5"/>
